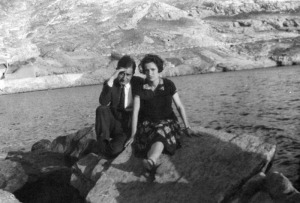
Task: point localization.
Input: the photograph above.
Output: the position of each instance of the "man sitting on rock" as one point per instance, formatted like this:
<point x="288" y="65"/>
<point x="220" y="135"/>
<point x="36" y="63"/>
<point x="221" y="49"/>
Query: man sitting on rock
<point x="113" y="116"/>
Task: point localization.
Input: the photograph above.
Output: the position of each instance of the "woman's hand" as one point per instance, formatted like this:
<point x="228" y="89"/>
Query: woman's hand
<point x="129" y="142"/>
<point x="190" y="133"/>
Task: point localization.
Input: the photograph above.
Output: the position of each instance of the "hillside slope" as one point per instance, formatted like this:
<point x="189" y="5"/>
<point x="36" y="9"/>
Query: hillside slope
<point x="53" y="37"/>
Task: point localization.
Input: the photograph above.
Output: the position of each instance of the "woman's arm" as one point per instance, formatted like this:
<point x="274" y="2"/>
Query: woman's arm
<point x="135" y="114"/>
<point x="180" y="109"/>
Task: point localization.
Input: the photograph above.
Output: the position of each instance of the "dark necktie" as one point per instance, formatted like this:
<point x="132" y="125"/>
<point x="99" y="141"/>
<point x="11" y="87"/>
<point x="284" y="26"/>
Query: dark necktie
<point x="122" y="98"/>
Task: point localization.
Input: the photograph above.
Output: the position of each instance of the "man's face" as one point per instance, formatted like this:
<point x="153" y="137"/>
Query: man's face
<point x="124" y="77"/>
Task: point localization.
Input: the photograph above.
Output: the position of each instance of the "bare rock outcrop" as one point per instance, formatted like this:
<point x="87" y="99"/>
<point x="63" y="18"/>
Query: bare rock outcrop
<point x="87" y="171"/>
<point x="39" y="164"/>
<point x="47" y="177"/>
<point x="12" y="175"/>
<point x="76" y="145"/>
<point x="209" y="168"/>
<point x="272" y="187"/>
<point x="212" y="166"/>
<point x="215" y="163"/>
<point x="233" y="7"/>
<point x="7" y="197"/>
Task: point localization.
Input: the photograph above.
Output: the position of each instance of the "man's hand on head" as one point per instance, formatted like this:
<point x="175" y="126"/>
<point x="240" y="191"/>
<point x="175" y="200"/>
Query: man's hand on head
<point x="114" y="76"/>
<point x="118" y="71"/>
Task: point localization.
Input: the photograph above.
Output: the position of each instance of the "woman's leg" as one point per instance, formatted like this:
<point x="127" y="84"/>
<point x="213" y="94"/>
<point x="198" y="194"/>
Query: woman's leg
<point x="155" y="151"/>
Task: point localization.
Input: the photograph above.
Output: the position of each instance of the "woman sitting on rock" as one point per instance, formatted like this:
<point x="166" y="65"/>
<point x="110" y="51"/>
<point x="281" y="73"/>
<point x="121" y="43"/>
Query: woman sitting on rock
<point x="155" y="127"/>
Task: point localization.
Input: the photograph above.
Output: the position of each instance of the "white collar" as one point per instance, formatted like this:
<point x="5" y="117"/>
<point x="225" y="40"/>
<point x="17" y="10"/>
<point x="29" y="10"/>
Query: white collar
<point x="160" y="85"/>
<point x="127" y="85"/>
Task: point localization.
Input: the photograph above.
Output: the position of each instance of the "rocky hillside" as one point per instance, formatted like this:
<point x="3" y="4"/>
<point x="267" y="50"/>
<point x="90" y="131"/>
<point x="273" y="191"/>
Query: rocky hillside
<point x="54" y="37"/>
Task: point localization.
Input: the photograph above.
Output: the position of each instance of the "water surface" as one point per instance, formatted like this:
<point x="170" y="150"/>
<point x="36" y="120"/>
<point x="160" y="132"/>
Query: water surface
<point x="261" y="102"/>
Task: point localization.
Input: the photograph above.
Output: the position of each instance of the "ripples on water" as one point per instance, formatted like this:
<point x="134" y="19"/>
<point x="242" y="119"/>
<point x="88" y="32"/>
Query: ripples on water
<point x="262" y="102"/>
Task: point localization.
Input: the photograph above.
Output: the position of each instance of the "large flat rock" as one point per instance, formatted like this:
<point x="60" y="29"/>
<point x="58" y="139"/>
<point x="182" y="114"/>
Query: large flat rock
<point x="7" y="197"/>
<point x="208" y="168"/>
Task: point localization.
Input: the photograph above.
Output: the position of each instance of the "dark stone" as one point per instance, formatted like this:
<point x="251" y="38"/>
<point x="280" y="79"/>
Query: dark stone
<point x="87" y="171"/>
<point x="272" y="187"/>
<point x="12" y="175"/>
<point x="37" y="165"/>
<point x="42" y="145"/>
<point x="53" y="187"/>
<point x="253" y="186"/>
<point x="78" y="144"/>
<point x="279" y="187"/>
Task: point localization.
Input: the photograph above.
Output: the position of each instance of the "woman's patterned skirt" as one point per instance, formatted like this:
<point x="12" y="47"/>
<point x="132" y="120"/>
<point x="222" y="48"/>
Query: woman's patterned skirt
<point x="167" y="131"/>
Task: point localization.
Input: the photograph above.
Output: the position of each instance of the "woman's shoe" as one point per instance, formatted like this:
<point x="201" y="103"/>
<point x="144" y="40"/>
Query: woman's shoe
<point x="151" y="168"/>
<point x="149" y="164"/>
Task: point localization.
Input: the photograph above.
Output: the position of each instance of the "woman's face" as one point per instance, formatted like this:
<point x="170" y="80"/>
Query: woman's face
<point x="151" y="71"/>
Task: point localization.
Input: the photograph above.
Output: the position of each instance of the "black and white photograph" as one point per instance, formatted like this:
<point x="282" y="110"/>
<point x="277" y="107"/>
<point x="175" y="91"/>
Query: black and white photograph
<point x="149" y="101"/>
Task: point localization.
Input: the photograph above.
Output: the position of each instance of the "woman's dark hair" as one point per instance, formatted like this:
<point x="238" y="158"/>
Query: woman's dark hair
<point x="126" y="62"/>
<point x="151" y="58"/>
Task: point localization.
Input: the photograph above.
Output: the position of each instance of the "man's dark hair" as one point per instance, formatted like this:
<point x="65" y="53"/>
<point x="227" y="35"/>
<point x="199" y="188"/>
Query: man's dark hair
<point x="126" y="62"/>
<point x="151" y="58"/>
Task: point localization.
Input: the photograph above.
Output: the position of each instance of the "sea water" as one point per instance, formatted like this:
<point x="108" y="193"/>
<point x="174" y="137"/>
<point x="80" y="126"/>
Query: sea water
<point x="261" y="102"/>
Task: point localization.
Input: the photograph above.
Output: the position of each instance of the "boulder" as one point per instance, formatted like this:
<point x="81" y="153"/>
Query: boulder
<point x="253" y="186"/>
<point x="7" y="197"/>
<point x="211" y="167"/>
<point x="36" y="165"/>
<point x="281" y="189"/>
<point x="66" y="150"/>
<point x="12" y="175"/>
<point x="53" y="187"/>
<point x="48" y="177"/>
<point x="272" y="187"/>
<point x="78" y="144"/>
<point x="86" y="172"/>
<point x="42" y="145"/>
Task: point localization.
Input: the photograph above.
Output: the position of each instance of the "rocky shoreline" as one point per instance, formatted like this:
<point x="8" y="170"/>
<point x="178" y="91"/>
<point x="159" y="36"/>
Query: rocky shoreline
<point x="52" y="171"/>
<point x="212" y="166"/>
<point x="57" y="44"/>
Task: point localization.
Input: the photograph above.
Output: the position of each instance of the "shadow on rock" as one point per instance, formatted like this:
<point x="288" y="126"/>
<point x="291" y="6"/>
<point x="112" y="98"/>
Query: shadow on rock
<point x="78" y="144"/>
<point x="209" y="168"/>
<point x="48" y="177"/>
<point x="53" y="187"/>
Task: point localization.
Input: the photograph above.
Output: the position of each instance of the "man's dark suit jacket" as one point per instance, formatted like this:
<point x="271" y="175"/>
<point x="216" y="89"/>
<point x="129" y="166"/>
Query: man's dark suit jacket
<point x="110" y="96"/>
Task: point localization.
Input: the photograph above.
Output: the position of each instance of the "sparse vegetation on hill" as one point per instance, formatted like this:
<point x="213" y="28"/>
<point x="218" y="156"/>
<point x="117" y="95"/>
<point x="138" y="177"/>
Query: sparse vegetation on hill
<point x="44" y="38"/>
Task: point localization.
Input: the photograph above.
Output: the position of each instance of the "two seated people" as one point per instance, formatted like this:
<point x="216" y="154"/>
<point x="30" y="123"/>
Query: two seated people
<point x="139" y="111"/>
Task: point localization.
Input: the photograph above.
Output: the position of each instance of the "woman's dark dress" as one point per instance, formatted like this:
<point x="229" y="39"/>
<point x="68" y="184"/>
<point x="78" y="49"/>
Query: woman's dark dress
<point x="157" y="121"/>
